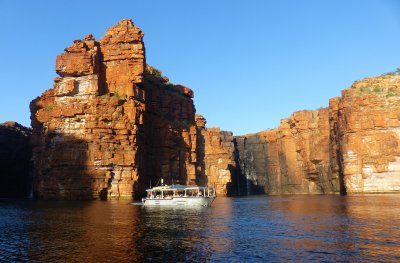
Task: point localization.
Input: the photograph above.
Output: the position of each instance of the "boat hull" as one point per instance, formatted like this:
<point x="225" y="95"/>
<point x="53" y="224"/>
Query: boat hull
<point x="179" y="201"/>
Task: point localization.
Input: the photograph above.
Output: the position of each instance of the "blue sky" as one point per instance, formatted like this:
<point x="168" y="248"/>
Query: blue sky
<point x="250" y="63"/>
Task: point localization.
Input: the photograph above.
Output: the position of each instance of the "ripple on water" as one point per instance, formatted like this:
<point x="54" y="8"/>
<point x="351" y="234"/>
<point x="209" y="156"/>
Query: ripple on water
<point x="252" y="229"/>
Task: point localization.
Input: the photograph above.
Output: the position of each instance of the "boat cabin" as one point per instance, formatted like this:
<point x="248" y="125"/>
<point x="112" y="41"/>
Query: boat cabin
<point x="171" y="191"/>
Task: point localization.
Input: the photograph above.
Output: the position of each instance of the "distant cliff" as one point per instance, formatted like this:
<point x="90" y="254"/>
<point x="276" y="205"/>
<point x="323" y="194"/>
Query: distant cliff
<point x="350" y="147"/>
<point x="291" y="159"/>
<point x="15" y="154"/>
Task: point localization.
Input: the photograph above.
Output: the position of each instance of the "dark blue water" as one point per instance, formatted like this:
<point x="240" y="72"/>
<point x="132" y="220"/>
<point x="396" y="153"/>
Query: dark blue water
<point x="253" y="229"/>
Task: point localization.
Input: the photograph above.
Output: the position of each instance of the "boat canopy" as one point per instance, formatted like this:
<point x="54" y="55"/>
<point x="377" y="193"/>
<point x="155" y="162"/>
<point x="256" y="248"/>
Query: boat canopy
<point x="176" y="187"/>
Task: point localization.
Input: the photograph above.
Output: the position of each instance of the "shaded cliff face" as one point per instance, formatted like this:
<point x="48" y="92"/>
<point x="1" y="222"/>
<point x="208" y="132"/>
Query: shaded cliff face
<point x="366" y="124"/>
<point x="215" y="158"/>
<point x="292" y="159"/>
<point x="170" y="131"/>
<point x="15" y="154"/>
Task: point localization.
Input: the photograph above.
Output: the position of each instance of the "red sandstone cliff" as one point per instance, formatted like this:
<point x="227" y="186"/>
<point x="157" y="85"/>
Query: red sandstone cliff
<point x="88" y="128"/>
<point x="170" y="129"/>
<point x="293" y="158"/>
<point x="351" y="147"/>
<point x="215" y="157"/>
<point x="111" y="125"/>
<point x="366" y="126"/>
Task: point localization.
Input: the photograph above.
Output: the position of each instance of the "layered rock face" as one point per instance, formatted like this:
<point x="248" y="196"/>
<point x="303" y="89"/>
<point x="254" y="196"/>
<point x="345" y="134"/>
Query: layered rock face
<point x="170" y="131"/>
<point x="365" y="125"/>
<point x="351" y="147"/>
<point x="15" y="154"/>
<point x="87" y="129"/>
<point x="215" y="155"/>
<point x="112" y="126"/>
<point x="292" y="159"/>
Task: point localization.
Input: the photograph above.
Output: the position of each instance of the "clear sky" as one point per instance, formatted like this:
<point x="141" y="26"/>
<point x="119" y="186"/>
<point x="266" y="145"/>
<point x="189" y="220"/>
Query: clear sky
<point x="250" y="63"/>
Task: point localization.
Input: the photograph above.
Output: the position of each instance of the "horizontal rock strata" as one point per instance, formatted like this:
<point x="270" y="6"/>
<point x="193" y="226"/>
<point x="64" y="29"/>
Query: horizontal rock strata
<point x="87" y="129"/>
<point x="350" y="147"/>
<point x="366" y="124"/>
<point x="112" y="125"/>
<point x="291" y="159"/>
<point x="216" y="162"/>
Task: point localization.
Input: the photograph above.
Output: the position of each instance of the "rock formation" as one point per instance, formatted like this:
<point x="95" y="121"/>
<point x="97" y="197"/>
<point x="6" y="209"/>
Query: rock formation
<point x="87" y="129"/>
<point x="170" y="131"/>
<point x="111" y="125"/>
<point x="216" y="162"/>
<point x="365" y="124"/>
<point x="15" y="157"/>
<point x="351" y="147"/>
<point x="291" y="159"/>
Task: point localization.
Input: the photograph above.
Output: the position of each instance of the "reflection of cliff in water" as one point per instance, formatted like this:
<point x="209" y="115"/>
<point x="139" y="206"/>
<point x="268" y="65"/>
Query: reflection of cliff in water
<point x="307" y="228"/>
<point x="174" y="234"/>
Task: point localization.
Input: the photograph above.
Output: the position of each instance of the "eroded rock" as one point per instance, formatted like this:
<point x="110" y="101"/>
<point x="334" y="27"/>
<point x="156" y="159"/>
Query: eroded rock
<point x="88" y="129"/>
<point x="367" y="126"/>
<point x="112" y="126"/>
<point x="292" y="159"/>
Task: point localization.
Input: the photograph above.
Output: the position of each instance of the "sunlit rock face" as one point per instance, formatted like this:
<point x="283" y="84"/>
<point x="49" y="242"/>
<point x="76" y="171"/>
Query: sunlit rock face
<point x="15" y="154"/>
<point x="112" y="126"/>
<point x="88" y="128"/>
<point x="353" y="146"/>
<point x="367" y="123"/>
<point x="292" y="159"/>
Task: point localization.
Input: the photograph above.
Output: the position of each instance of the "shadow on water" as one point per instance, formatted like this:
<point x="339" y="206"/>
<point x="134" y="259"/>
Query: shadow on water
<point x="173" y="234"/>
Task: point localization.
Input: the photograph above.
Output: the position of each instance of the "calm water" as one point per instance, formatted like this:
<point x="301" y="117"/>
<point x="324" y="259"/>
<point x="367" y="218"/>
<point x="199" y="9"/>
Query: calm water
<point x="253" y="229"/>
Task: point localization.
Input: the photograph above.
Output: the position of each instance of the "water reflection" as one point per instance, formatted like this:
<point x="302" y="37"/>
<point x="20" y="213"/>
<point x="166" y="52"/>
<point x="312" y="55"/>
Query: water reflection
<point x="254" y="229"/>
<point x="183" y="234"/>
<point x="376" y="221"/>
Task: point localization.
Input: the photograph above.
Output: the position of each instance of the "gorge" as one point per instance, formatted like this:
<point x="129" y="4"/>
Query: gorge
<point x="112" y="125"/>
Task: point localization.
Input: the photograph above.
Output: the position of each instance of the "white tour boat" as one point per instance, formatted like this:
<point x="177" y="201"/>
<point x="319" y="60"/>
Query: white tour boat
<point x="179" y="195"/>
